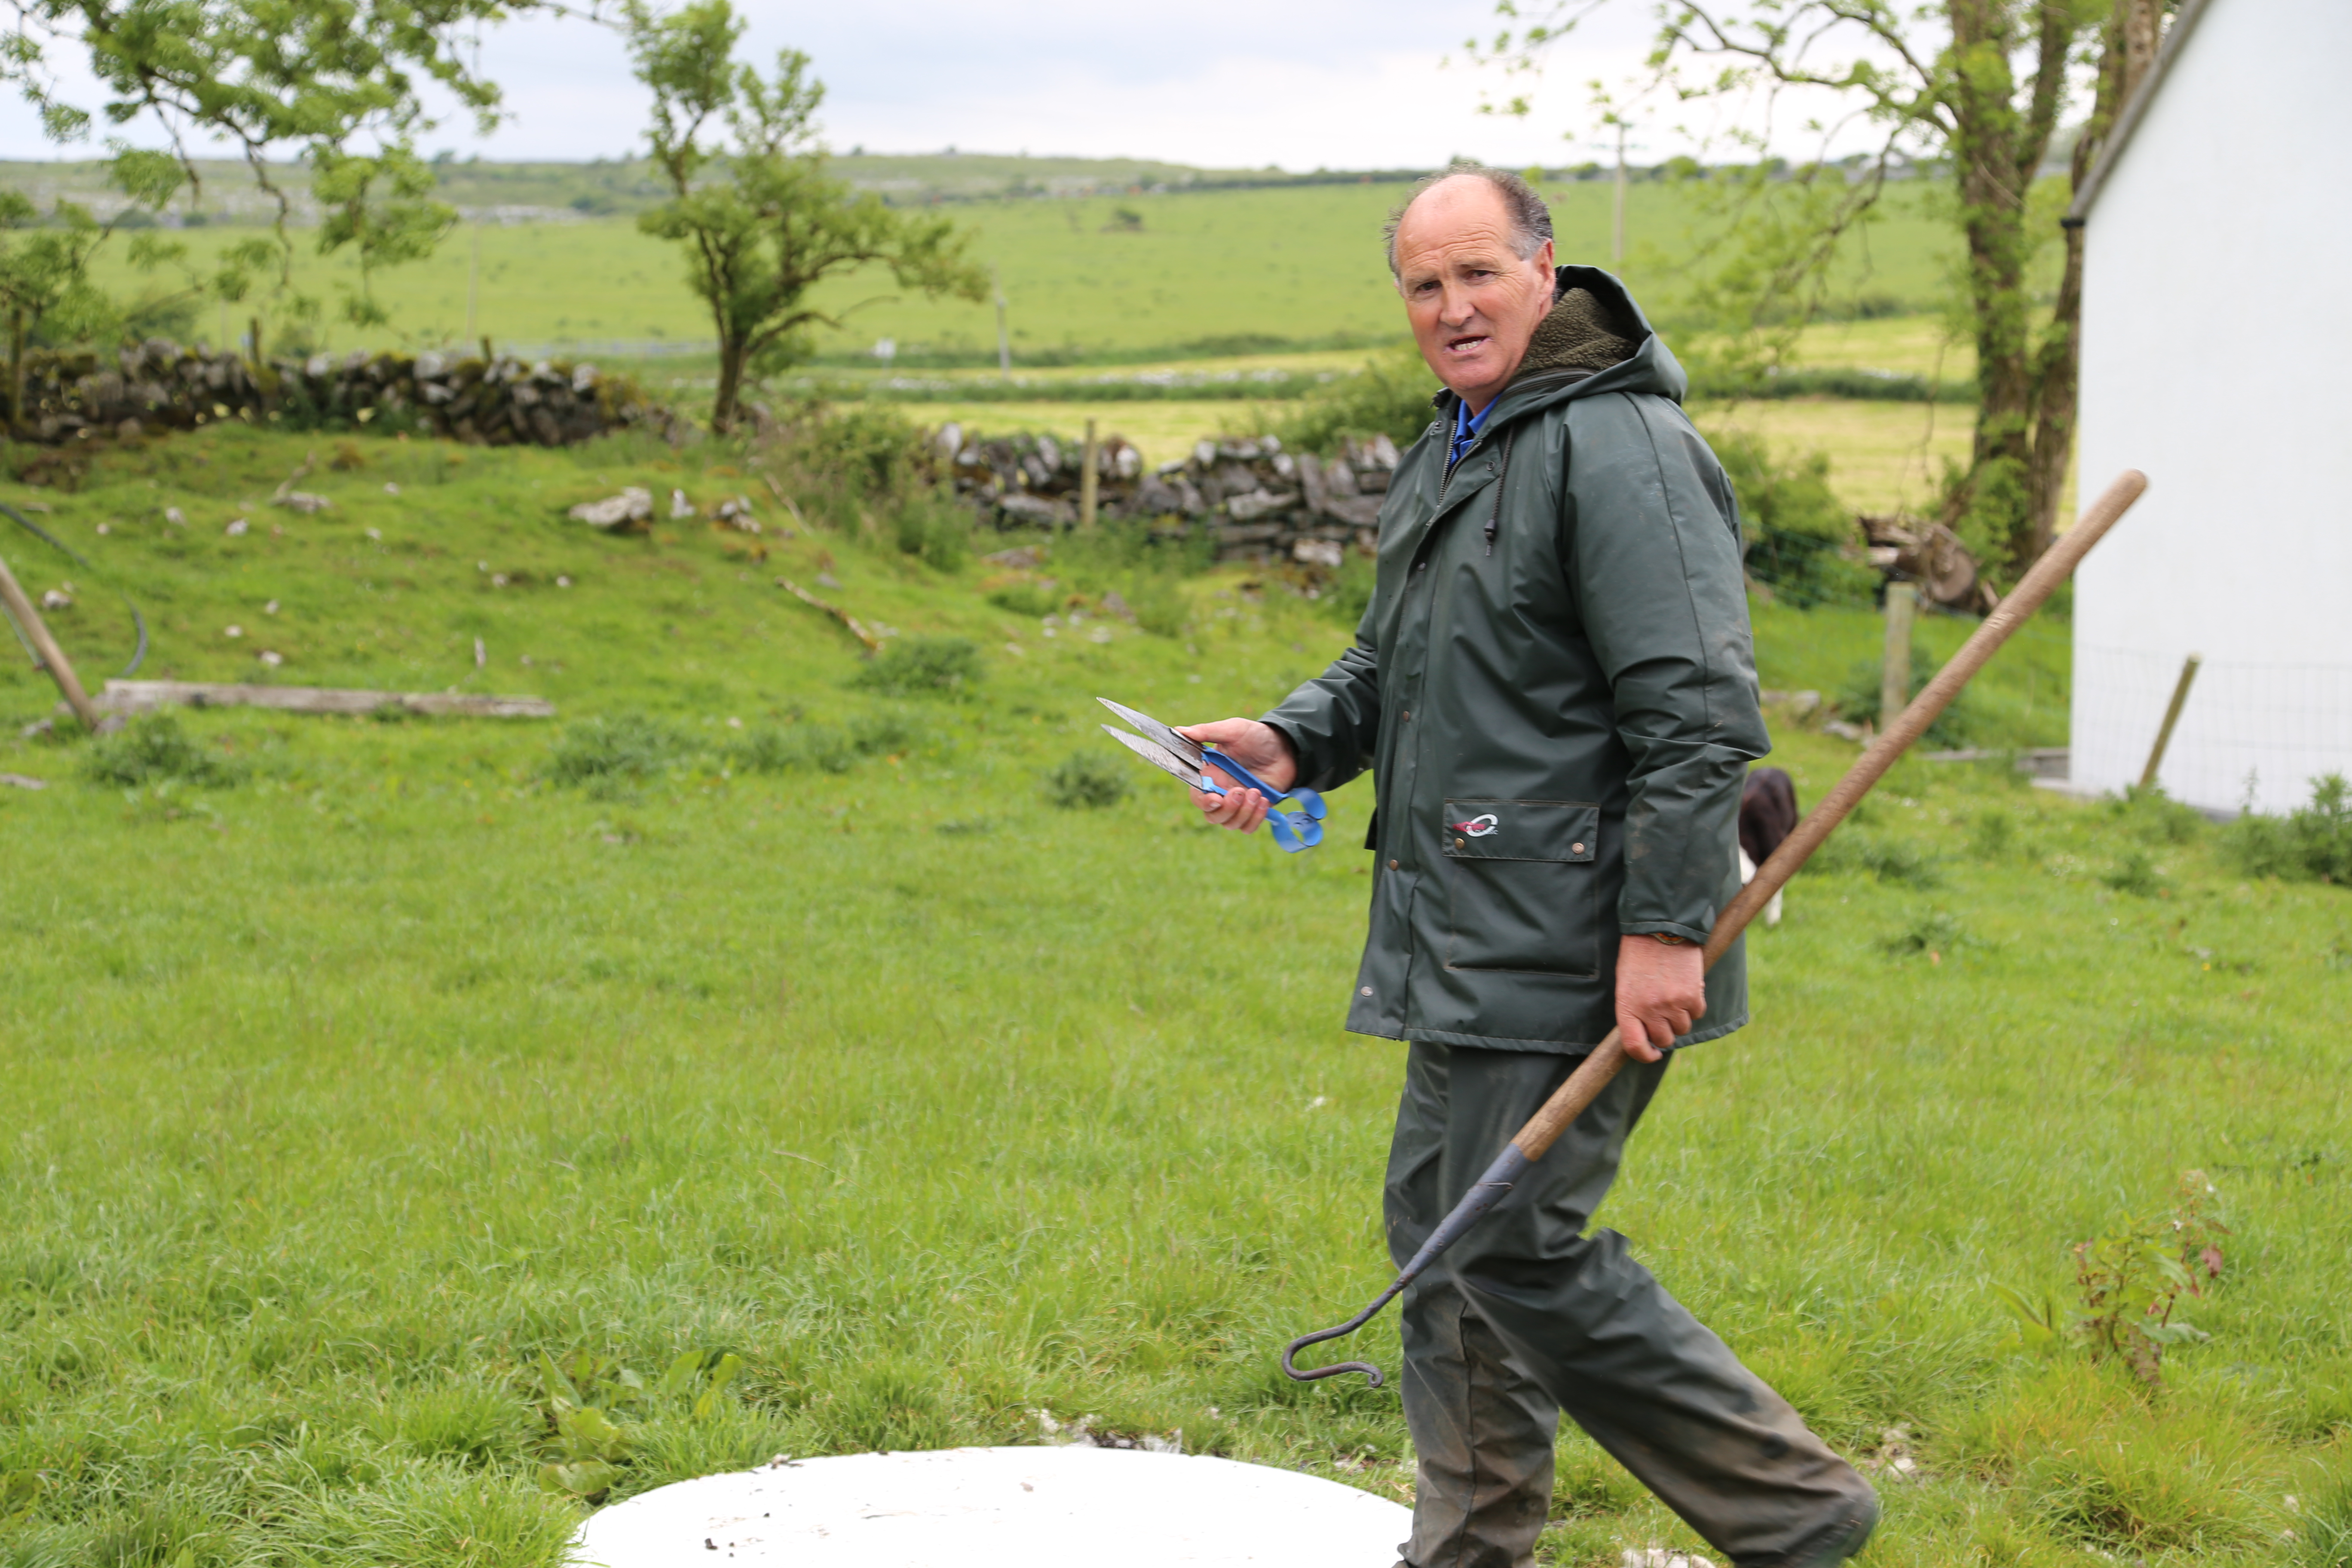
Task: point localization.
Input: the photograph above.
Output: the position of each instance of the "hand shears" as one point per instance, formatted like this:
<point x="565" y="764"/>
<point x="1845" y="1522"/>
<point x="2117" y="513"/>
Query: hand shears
<point x="1164" y="749"/>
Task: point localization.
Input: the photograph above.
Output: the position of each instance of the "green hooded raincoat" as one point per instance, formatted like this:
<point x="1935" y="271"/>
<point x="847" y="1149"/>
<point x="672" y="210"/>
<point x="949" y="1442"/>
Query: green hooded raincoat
<point x="1555" y="689"/>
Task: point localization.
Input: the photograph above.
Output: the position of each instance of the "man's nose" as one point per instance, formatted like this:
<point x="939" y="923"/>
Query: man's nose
<point x="1457" y="306"/>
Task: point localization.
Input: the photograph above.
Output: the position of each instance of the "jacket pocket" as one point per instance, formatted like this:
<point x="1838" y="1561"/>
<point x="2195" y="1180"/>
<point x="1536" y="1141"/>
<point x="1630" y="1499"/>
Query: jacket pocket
<point x="1520" y="881"/>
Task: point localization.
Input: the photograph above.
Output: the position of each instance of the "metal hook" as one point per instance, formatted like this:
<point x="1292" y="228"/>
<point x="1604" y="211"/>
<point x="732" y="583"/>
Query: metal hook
<point x="1484" y="1195"/>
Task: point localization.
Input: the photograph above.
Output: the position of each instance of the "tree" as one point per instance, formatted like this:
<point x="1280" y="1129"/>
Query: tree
<point x="761" y="221"/>
<point x="1978" y="88"/>
<point x="45" y="280"/>
<point x="320" y="79"/>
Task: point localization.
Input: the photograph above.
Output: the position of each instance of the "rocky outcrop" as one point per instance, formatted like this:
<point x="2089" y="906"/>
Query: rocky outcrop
<point x="159" y="385"/>
<point x="1254" y="498"/>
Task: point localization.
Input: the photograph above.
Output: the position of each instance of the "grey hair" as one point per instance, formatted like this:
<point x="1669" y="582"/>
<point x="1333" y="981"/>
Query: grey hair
<point x="1530" y="218"/>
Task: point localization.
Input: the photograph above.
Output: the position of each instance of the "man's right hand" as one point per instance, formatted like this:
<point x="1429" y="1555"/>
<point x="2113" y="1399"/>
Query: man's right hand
<point x="1260" y="748"/>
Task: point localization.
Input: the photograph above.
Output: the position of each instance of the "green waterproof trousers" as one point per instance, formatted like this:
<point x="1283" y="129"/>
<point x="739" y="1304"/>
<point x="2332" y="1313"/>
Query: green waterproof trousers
<point x="1528" y="1316"/>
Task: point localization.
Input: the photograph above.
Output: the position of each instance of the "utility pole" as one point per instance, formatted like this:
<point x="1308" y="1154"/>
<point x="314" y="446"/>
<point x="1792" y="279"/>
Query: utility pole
<point x="1617" y="230"/>
<point x="1003" y="343"/>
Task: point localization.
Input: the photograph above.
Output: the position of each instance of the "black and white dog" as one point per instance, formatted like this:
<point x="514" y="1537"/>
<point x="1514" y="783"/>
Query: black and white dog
<point x="1767" y="814"/>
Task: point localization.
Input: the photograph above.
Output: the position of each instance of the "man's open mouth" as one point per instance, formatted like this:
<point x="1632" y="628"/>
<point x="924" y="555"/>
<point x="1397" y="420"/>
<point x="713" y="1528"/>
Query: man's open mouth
<point x="1465" y="344"/>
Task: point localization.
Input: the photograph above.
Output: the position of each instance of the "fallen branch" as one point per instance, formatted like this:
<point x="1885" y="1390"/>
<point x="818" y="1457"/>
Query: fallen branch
<point x="856" y="627"/>
<point x="146" y="695"/>
<point x="309" y="461"/>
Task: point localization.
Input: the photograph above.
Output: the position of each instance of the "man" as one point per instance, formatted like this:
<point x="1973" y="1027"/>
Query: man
<point x="1555" y="689"/>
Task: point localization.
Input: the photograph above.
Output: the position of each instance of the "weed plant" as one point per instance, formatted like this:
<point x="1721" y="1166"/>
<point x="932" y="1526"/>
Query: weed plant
<point x="923" y="666"/>
<point x="156" y="750"/>
<point x="1088" y="780"/>
<point x="2311" y="842"/>
<point x="1794" y="526"/>
<point x="626" y="748"/>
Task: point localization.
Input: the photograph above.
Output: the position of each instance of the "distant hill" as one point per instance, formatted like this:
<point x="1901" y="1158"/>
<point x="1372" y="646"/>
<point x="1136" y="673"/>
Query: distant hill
<point x="542" y="192"/>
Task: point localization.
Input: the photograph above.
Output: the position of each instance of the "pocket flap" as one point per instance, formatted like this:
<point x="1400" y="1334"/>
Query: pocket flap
<point x="1521" y="829"/>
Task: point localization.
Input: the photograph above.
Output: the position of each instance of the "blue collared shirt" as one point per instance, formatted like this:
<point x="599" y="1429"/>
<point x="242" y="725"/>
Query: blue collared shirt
<point x="1466" y="426"/>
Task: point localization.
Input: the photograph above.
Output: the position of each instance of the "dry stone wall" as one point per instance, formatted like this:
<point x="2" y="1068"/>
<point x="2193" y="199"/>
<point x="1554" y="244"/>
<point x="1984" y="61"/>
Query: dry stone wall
<point x="1255" y="500"/>
<point x="159" y="385"/>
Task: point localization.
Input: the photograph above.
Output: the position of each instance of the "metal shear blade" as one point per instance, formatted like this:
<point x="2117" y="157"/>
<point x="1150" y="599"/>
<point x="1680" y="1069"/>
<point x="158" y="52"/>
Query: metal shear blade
<point x="1191" y="752"/>
<point x="1160" y="757"/>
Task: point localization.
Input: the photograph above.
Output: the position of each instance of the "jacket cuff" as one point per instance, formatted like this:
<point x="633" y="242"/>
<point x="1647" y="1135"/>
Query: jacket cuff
<point x="1310" y="766"/>
<point x="1691" y="934"/>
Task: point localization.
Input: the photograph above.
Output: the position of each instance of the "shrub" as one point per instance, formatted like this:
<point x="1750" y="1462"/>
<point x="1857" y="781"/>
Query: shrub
<point x="1793" y="524"/>
<point x="155" y="751"/>
<point x="932" y="526"/>
<point x="1088" y="780"/>
<point x="608" y="750"/>
<point x="1389" y="396"/>
<point x="1160" y="605"/>
<point x="2135" y="872"/>
<point x="784" y="748"/>
<point x="2311" y="841"/>
<point x="923" y="666"/>
<point x="1933" y="931"/>
<point x="1026" y="598"/>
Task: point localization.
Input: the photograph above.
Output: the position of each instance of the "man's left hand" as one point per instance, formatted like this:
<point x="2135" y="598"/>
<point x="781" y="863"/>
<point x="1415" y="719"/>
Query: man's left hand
<point x="1661" y="989"/>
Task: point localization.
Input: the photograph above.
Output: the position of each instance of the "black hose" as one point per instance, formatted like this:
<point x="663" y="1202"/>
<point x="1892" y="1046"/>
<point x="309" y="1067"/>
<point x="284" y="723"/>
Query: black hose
<point x="138" y="620"/>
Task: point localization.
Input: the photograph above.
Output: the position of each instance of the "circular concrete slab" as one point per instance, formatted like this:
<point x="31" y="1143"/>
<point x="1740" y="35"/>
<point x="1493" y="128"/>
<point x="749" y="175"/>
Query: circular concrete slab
<point x="999" y="1507"/>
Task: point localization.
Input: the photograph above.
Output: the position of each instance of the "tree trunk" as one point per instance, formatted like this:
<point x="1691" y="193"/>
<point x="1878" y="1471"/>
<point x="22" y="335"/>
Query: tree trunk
<point x="2127" y="49"/>
<point x="732" y="352"/>
<point x="1988" y="508"/>
<point x="16" y="373"/>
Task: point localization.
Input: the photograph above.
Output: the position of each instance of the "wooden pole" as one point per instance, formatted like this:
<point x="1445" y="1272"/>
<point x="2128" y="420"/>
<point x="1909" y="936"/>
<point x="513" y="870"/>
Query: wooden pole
<point x="1894" y="666"/>
<point x="1090" y="480"/>
<point x="1617" y="226"/>
<point x="53" y="657"/>
<point x="2171" y="716"/>
<point x="1003" y="343"/>
<point x="2057" y="563"/>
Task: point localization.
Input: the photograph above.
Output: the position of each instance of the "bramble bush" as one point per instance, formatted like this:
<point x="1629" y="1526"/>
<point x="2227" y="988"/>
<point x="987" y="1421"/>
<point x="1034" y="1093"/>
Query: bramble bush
<point x="2310" y="843"/>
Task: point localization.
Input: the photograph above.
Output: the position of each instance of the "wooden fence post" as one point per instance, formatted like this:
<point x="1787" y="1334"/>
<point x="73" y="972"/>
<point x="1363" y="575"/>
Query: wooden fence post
<point x="1894" y="672"/>
<point x="1090" y="481"/>
<point x="2171" y="716"/>
<point x="20" y="609"/>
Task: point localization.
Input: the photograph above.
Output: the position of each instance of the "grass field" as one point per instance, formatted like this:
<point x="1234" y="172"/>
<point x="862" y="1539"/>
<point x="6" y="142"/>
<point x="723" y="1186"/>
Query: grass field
<point x="338" y="1096"/>
<point x="1295" y="267"/>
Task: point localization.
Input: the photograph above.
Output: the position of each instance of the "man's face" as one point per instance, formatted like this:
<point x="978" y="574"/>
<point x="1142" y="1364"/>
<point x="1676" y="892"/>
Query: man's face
<point x="1473" y="302"/>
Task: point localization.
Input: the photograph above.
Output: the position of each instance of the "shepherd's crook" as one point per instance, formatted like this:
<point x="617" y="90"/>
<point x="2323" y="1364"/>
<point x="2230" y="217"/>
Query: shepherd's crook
<point x="1569" y="1100"/>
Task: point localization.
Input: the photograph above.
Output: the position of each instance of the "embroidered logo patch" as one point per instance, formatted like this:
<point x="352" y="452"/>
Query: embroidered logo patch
<point x="1477" y="827"/>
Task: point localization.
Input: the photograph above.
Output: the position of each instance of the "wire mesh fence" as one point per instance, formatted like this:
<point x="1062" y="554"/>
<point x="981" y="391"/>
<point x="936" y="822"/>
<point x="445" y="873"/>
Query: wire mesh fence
<point x="2250" y="734"/>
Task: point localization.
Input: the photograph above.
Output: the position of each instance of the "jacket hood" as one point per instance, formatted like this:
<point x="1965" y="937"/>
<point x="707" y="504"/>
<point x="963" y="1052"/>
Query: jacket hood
<point x="1594" y="340"/>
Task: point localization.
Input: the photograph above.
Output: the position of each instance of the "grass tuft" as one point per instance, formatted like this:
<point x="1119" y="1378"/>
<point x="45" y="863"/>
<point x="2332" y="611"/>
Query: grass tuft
<point x="1088" y="780"/>
<point x="923" y="666"/>
<point x="156" y="750"/>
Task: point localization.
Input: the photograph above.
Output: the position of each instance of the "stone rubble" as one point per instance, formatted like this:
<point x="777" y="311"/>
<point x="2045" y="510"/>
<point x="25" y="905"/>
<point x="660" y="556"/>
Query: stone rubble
<point x="1255" y="500"/>
<point x="158" y="385"/>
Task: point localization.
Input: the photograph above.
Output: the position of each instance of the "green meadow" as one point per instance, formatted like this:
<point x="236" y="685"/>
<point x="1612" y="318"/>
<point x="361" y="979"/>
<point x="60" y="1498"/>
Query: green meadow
<point x="772" y="1003"/>
<point x="1211" y="272"/>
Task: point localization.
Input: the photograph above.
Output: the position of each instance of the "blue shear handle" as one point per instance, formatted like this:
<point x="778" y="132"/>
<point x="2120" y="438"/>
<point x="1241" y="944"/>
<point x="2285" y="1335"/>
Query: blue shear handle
<point x="1306" y="798"/>
<point x="1292" y="832"/>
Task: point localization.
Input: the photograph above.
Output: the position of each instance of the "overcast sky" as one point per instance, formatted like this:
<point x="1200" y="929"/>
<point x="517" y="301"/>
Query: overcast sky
<point x="1222" y="83"/>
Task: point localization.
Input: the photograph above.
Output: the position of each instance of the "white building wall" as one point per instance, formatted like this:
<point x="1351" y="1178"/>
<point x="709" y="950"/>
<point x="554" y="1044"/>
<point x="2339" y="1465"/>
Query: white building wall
<point x="2217" y="356"/>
